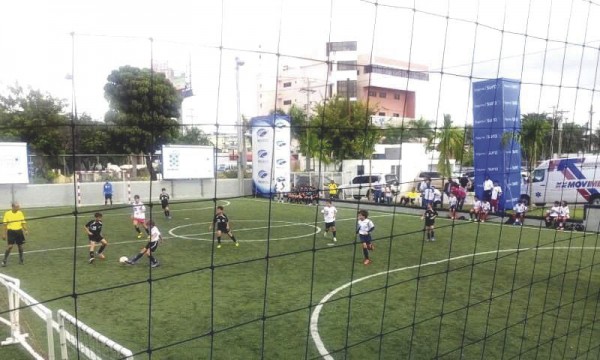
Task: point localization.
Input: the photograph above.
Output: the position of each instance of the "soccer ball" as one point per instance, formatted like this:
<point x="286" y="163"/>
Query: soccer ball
<point x="123" y="259"/>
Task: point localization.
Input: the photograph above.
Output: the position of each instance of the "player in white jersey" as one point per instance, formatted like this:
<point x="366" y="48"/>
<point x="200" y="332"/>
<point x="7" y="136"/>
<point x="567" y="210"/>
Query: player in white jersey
<point x="452" y="204"/>
<point x="139" y="216"/>
<point x="520" y="209"/>
<point x="329" y="212"/>
<point x="495" y="197"/>
<point x="552" y="215"/>
<point x="475" y="209"/>
<point x="364" y="228"/>
<point x="563" y="215"/>
<point x="485" y="210"/>
<point x="150" y="248"/>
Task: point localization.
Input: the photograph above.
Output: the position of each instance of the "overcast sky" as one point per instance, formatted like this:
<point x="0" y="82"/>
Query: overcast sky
<point x="458" y="40"/>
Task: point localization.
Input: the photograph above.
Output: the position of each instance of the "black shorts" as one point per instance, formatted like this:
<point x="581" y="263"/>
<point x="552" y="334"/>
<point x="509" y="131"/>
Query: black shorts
<point x="329" y="225"/>
<point x="95" y="238"/>
<point x="164" y="204"/>
<point x="15" y="237"/>
<point x="108" y="196"/>
<point x="429" y="222"/>
<point x="152" y="246"/>
<point x="223" y="229"/>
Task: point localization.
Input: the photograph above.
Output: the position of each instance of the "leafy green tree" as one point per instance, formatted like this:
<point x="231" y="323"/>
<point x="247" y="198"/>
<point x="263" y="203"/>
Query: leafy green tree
<point x="193" y="136"/>
<point x="574" y="138"/>
<point x="449" y="141"/>
<point x="419" y="130"/>
<point x="344" y="130"/>
<point x="144" y="107"/>
<point x="38" y="119"/>
<point x="533" y="135"/>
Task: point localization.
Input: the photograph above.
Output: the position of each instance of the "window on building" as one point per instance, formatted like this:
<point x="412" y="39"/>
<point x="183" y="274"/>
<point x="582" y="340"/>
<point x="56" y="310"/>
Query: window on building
<point x="346" y="88"/>
<point x="411" y="74"/>
<point x="287" y="84"/>
<point x="396" y="115"/>
<point x="341" y="46"/>
<point x="287" y="102"/>
<point x="372" y="93"/>
<point x="396" y="96"/>
<point x="382" y="94"/>
<point x="381" y="114"/>
<point x="346" y="65"/>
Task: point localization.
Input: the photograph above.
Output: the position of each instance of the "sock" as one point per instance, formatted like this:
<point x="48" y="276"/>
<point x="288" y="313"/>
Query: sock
<point x="334" y="233"/>
<point x="233" y="238"/>
<point x="101" y="249"/>
<point x="366" y="253"/>
<point x="147" y="231"/>
<point x="152" y="259"/>
<point x="219" y="239"/>
<point x="91" y="254"/>
<point x="21" y="253"/>
<point x="136" y="257"/>
<point x="137" y="229"/>
<point x="168" y="213"/>
<point x="432" y="235"/>
<point x="6" y="253"/>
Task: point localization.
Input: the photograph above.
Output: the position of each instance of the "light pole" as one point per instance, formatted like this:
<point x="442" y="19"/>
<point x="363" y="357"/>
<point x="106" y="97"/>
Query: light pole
<point x="240" y="130"/>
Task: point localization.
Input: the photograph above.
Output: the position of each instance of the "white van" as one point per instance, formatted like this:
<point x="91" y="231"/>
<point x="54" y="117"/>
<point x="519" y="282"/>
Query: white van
<point x="363" y="185"/>
<point x="573" y="179"/>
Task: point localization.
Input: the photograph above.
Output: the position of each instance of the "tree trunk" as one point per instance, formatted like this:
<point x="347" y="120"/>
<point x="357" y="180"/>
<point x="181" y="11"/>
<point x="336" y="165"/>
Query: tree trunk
<point x="150" y="167"/>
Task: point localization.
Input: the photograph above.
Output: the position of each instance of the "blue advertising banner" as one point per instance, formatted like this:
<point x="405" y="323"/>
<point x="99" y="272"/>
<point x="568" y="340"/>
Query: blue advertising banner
<point x="270" y="153"/>
<point x="496" y="122"/>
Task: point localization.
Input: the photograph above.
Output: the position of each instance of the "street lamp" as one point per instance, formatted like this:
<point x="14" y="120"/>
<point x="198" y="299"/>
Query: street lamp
<point x="240" y="130"/>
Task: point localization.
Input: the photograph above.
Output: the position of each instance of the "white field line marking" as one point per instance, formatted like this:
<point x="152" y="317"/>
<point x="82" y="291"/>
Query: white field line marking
<point x="314" y="318"/>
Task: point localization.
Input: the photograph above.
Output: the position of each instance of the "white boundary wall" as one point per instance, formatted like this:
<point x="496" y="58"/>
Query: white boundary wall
<point x="40" y="195"/>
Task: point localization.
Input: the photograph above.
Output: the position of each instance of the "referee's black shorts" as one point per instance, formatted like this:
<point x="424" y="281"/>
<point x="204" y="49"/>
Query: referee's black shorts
<point x="15" y="237"/>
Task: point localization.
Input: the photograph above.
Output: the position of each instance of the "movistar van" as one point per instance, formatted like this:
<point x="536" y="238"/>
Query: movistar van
<point x="574" y="179"/>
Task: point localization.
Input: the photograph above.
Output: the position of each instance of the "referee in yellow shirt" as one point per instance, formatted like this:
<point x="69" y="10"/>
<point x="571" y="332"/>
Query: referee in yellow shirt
<point x="333" y="189"/>
<point x="15" y="230"/>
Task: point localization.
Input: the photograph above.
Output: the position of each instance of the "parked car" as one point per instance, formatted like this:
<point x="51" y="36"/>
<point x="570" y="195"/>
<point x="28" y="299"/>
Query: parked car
<point x="437" y="179"/>
<point x="363" y="185"/>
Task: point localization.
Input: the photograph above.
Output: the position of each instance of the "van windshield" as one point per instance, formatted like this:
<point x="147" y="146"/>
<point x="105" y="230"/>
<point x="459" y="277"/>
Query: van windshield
<point x="539" y="175"/>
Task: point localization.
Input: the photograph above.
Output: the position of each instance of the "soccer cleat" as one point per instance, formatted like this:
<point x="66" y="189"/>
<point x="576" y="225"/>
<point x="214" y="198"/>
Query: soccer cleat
<point x="366" y="262"/>
<point x="129" y="262"/>
<point x="432" y="239"/>
<point x="237" y="244"/>
<point x="91" y="260"/>
<point x="219" y="246"/>
<point x="324" y="233"/>
<point x="139" y="235"/>
<point x="155" y="264"/>
<point x="3" y="263"/>
<point x="334" y="239"/>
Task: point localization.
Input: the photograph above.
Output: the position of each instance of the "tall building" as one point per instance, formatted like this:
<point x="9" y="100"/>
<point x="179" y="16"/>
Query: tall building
<point x="390" y="86"/>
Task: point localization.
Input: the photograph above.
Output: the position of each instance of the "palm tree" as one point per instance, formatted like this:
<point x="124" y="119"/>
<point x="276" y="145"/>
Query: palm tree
<point x="535" y="128"/>
<point x="449" y="141"/>
<point x="419" y="130"/>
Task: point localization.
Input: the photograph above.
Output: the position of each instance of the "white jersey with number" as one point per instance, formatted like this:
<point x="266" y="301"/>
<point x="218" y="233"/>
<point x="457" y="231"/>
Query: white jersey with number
<point x="329" y="213"/>
<point x="154" y="234"/>
<point x="139" y="210"/>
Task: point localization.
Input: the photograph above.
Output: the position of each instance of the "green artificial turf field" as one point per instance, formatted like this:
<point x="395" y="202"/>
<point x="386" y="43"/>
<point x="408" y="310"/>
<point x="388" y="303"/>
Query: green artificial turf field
<point x="469" y="294"/>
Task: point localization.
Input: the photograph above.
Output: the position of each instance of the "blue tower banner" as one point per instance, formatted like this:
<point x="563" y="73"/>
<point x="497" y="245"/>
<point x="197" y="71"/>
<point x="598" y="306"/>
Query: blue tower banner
<point x="496" y="119"/>
<point x="270" y="153"/>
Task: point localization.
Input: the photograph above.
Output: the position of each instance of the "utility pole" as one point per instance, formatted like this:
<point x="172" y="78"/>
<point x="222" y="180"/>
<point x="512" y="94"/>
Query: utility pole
<point x="590" y="127"/>
<point x="308" y="90"/>
<point x="240" y="131"/>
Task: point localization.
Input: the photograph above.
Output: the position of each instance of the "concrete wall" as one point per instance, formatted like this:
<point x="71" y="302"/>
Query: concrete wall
<point x="39" y="195"/>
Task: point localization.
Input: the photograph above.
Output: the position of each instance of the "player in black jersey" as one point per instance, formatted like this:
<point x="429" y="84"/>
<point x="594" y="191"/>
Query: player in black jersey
<point x="429" y="216"/>
<point x="164" y="202"/>
<point x="94" y="230"/>
<point x="222" y="226"/>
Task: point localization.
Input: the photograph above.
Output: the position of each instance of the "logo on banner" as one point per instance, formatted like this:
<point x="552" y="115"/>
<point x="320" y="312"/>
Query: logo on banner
<point x="263" y="154"/>
<point x="263" y="174"/>
<point x="281" y="143"/>
<point x="261" y="132"/>
<point x="281" y="162"/>
<point x="280" y="123"/>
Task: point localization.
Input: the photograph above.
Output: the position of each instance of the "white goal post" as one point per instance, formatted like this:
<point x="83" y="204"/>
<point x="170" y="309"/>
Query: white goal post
<point x="99" y="339"/>
<point x="16" y="296"/>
